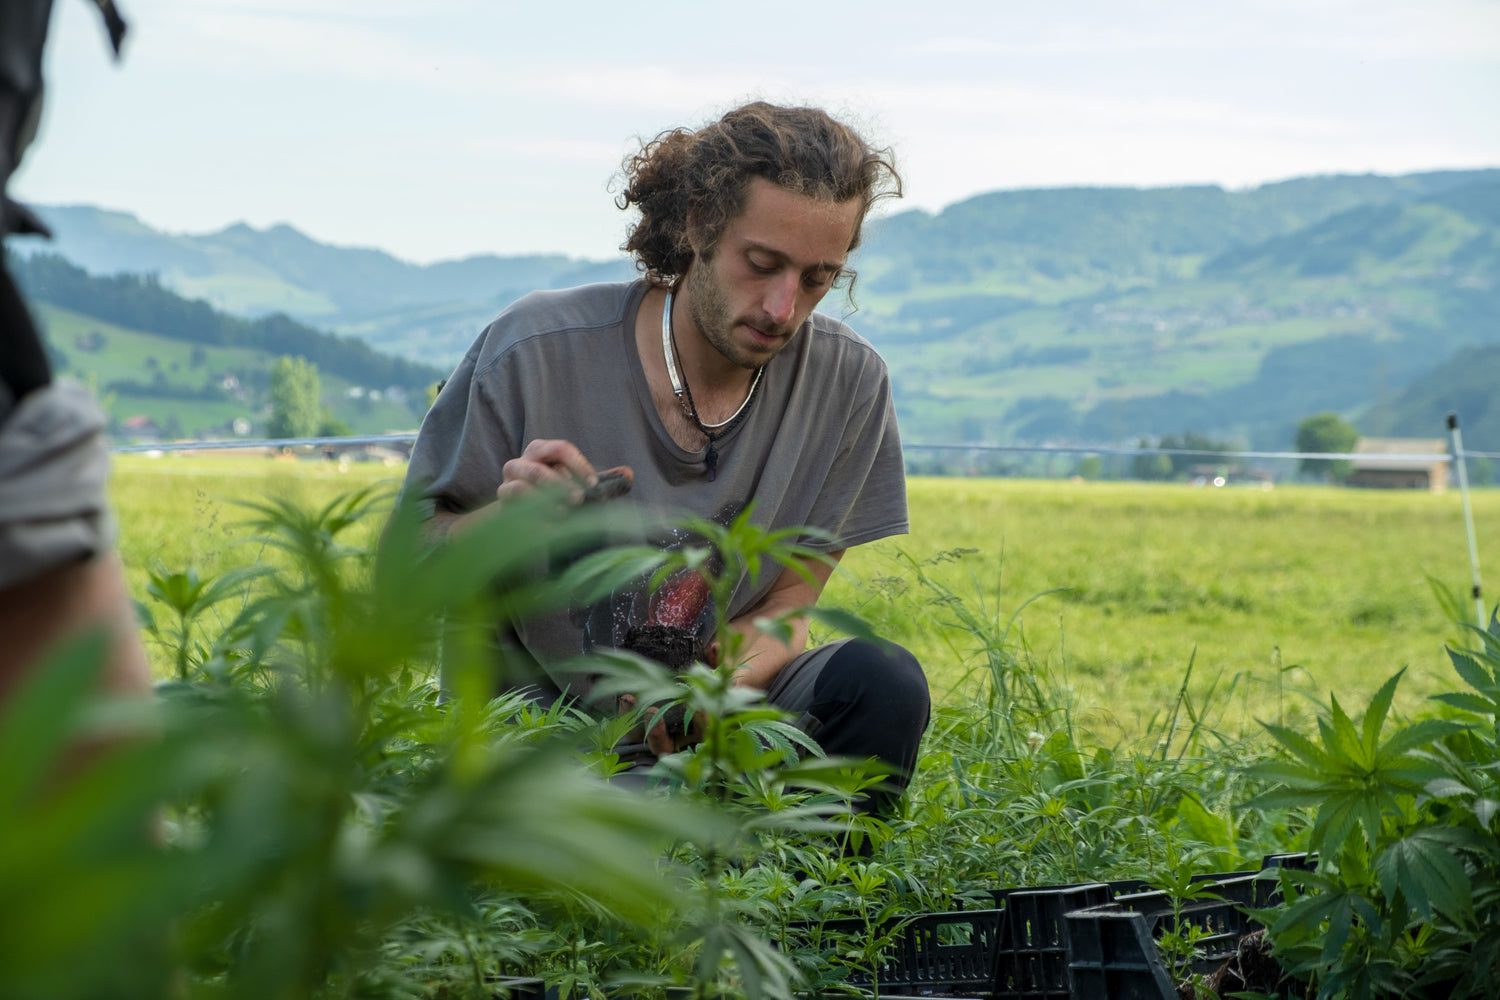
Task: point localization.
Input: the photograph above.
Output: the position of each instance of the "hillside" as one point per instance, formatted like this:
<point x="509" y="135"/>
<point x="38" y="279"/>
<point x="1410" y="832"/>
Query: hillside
<point x="191" y="370"/>
<point x="1463" y="384"/>
<point x="258" y="272"/>
<point x="1058" y="315"/>
<point x="1240" y="342"/>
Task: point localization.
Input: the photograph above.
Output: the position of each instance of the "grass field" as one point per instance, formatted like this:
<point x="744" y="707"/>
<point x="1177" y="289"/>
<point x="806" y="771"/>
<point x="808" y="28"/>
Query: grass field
<point x="1265" y="593"/>
<point x="1300" y="588"/>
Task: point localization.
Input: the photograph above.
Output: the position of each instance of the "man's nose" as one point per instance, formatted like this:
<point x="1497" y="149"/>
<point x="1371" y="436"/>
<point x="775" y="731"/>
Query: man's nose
<point x="781" y="299"/>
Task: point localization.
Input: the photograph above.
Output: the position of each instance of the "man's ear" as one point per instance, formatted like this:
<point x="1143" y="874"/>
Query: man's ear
<point x="711" y="655"/>
<point x="697" y="238"/>
<point x="624" y="702"/>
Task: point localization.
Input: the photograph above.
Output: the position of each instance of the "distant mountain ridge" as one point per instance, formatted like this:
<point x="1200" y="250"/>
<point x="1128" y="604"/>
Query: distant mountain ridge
<point x="280" y="269"/>
<point x="1067" y="314"/>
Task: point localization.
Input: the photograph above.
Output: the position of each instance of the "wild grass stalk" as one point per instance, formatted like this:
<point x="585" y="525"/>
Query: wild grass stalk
<point x="332" y="656"/>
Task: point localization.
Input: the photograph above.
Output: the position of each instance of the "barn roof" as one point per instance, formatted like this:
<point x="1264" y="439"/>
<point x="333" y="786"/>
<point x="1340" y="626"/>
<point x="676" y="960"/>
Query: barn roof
<point x="1398" y="454"/>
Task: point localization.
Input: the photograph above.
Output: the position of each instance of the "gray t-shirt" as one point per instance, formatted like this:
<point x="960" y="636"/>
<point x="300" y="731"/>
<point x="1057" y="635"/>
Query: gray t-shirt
<point x="817" y="446"/>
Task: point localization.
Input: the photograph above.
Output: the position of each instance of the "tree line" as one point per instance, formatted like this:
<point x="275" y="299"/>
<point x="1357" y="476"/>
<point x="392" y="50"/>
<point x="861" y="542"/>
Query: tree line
<point x="142" y="303"/>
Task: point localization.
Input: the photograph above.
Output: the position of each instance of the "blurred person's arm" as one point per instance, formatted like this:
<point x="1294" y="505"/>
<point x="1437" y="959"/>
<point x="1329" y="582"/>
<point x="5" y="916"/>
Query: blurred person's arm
<point x="59" y="575"/>
<point x="40" y="614"/>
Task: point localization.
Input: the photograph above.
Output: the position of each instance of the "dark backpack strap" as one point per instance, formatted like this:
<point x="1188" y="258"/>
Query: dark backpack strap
<point x="23" y="361"/>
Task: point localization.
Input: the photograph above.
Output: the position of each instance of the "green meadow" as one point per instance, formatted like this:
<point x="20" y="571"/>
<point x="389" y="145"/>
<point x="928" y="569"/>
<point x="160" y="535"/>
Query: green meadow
<point x="1115" y="589"/>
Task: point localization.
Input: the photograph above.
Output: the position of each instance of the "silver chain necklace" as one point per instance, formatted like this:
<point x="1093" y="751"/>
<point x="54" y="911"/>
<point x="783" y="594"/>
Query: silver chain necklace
<point x="685" y="395"/>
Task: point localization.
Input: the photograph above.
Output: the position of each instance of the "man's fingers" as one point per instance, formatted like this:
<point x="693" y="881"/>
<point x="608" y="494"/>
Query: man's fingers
<point x="545" y="462"/>
<point x="561" y="457"/>
<point x="662" y="740"/>
<point x="658" y="740"/>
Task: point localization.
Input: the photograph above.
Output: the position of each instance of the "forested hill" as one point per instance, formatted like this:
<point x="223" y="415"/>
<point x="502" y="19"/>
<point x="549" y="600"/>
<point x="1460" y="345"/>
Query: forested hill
<point x="140" y="302"/>
<point x="1078" y="315"/>
<point x="1048" y="239"/>
<point x="169" y="367"/>
<point x="1463" y="384"/>
<point x="1131" y="320"/>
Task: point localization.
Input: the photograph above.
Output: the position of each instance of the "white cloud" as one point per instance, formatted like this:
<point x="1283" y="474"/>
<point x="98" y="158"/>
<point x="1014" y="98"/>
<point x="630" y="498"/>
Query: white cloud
<point x="333" y="47"/>
<point x="553" y="149"/>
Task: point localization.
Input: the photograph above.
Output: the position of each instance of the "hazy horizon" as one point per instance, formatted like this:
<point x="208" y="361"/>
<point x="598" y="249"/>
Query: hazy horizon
<point x="466" y="128"/>
<point x="889" y="209"/>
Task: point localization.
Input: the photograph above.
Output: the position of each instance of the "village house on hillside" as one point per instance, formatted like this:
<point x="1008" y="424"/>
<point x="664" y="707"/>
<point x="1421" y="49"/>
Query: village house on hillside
<point x="1380" y="464"/>
<point x="141" y="429"/>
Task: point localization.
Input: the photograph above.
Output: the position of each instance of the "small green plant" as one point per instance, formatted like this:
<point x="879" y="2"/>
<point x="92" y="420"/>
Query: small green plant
<point x="1406" y="896"/>
<point x="334" y="829"/>
<point x="318" y="803"/>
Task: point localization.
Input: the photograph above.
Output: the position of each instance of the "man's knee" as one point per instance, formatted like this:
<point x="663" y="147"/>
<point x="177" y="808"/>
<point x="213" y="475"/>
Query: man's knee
<point x="882" y="672"/>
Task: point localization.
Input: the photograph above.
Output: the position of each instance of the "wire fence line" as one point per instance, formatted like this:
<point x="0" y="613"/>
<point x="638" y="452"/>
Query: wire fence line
<point x="272" y="443"/>
<point x="998" y="449"/>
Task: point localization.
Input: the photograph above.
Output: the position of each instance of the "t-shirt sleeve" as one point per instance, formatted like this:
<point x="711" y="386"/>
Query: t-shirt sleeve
<point x="864" y="494"/>
<point x="460" y="453"/>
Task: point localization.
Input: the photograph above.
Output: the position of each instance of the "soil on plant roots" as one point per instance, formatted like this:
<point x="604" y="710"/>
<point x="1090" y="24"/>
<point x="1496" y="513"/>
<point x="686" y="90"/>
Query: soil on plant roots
<point x="674" y="648"/>
<point x="1250" y="969"/>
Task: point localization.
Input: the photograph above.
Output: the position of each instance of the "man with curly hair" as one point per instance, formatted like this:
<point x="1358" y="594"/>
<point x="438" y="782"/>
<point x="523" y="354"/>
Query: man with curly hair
<point x="711" y="385"/>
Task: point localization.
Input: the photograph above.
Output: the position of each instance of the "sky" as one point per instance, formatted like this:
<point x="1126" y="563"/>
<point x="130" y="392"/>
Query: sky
<point x="446" y="128"/>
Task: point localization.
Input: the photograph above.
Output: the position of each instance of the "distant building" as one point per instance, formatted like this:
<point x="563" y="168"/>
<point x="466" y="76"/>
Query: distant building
<point x="1379" y="464"/>
<point x="141" y="429"/>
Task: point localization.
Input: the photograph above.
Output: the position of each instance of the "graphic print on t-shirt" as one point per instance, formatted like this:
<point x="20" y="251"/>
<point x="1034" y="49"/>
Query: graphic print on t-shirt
<point x="682" y="601"/>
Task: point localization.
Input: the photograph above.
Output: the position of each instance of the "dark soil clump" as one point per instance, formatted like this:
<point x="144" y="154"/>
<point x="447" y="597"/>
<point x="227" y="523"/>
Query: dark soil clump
<point x="1251" y="969"/>
<point x="675" y="648"/>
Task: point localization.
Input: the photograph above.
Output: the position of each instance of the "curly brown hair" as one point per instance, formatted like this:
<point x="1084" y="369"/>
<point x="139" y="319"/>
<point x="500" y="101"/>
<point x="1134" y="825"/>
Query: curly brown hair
<point x="704" y="176"/>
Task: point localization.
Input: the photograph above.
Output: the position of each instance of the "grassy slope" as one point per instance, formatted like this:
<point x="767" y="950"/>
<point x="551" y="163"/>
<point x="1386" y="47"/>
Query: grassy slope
<point x="125" y="353"/>
<point x="1239" y="581"/>
<point x="1378" y="273"/>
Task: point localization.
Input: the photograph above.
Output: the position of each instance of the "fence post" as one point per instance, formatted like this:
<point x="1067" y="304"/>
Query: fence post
<point x="1457" y="448"/>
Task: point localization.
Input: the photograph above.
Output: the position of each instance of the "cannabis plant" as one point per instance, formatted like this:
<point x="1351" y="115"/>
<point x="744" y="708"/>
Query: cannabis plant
<point x="1405" y="900"/>
<point x="298" y="798"/>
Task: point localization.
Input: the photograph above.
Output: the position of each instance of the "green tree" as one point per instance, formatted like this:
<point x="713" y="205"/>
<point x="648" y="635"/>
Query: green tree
<point x="1327" y="433"/>
<point x="331" y="425"/>
<point x="1151" y="466"/>
<point x="296" y="407"/>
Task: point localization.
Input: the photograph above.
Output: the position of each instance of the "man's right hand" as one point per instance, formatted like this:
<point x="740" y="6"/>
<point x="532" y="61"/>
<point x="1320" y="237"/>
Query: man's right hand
<point x="543" y="462"/>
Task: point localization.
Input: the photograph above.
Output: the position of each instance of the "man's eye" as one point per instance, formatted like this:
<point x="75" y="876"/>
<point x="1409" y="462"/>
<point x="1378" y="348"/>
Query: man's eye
<point x="760" y="268"/>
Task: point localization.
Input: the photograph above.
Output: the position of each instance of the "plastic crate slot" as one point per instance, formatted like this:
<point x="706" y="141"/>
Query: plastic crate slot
<point x="1114" y="951"/>
<point x="940" y="952"/>
<point x="1031" y="962"/>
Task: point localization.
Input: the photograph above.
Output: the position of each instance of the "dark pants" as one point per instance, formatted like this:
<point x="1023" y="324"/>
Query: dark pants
<point x="859" y="699"/>
<point x="856" y="699"/>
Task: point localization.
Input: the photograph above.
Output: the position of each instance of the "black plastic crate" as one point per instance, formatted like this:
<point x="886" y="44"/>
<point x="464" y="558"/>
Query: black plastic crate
<point x="1031" y="960"/>
<point x="1301" y="862"/>
<point x="1240" y="888"/>
<point x="1113" y="952"/>
<point x="520" y="988"/>
<point x="952" y="953"/>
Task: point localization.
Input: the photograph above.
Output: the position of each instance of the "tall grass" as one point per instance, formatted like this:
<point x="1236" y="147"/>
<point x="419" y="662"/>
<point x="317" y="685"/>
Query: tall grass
<point x="1267" y="594"/>
<point x="1039" y="768"/>
<point x="1115" y="587"/>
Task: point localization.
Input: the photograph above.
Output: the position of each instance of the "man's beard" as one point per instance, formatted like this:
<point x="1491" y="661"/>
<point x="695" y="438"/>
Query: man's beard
<point x="711" y="313"/>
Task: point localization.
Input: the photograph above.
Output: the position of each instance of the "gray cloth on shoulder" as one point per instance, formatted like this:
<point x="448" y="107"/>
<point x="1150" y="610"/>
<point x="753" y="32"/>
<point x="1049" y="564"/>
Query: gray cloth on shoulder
<point x="53" y="467"/>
